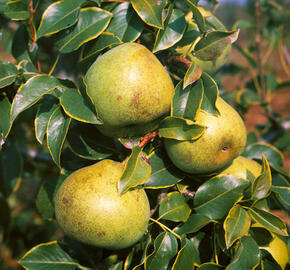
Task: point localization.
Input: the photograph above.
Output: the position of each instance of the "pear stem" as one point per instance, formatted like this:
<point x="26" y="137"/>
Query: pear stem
<point x="165" y="228"/>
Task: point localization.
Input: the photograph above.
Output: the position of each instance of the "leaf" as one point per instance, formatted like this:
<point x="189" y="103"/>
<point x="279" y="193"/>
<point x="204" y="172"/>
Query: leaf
<point x="174" y="207"/>
<point x="150" y="11"/>
<point x="5" y="218"/>
<point x="46" y="194"/>
<point x="186" y="257"/>
<point x="164" y="173"/>
<point x="269" y="221"/>
<point x="209" y="266"/>
<point x="144" y="246"/>
<point x="186" y="102"/>
<point x="17" y="10"/>
<point x="8" y="73"/>
<point x="136" y="172"/>
<point x="210" y="94"/>
<point x="30" y="92"/>
<point x="165" y="248"/>
<point x="92" y="22"/>
<point x="261" y="185"/>
<point x="192" y="74"/>
<point x="87" y="142"/>
<point x="126" y="24"/>
<point x="236" y="225"/>
<point x="213" y="44"/>
<point x="58" y="16"/>
<point x="247" y="55"/>
<point x="283" y="193"/>
<point x="197" y="15"/>
<point x="174" y="27"/>
<point x="5" y="108"/>
<point x="11" y="165"/>
<point x="48" y="256"/>
<point x="57" y="128"/>
<point x="247" y="255"/>
<point x="215" y="197"/>
<point x="180" y="129"/>
<point x="246" y="97"/>
<point x="193" y="224"/>
<point x="78" y="106"/>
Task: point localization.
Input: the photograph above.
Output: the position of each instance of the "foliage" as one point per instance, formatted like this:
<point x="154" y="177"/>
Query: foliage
<point x="48" y="130"/>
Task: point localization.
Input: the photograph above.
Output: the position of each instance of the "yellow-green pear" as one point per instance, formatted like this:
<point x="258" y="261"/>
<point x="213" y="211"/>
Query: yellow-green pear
<point x="130" y="89"/>
<point x="223" y="140"/>
<point x="89" y="208"/>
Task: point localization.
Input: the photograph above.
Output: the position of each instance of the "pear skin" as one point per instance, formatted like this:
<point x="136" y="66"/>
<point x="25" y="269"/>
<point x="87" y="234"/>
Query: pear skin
<point x="89" y="208"/>
<point x="130" y="89"/>
<point x="224" y="139"/>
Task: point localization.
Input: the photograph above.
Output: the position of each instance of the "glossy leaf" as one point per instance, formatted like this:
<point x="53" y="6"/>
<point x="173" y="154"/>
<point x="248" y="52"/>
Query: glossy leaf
<point x="261" y="185"/>
<point x="174" y="207"/>
<point x="58" y="16"/>
<point x="87" y="142"/>
<point x="30" y="92"/>
<point x="136" y="172"/>
<point x="165" y="248"/>
<point x="213" y="44"/>
<point x="57" y="128"/>
<point x="48" y="256"/>
<point x="91" y="23"/>
<point x="11" y="165"/>
<point x="174" y="27"/>
<point x="268" y="221"/>
<point x="8" y="73"/>
<point x="17" y="10"/>
<point x="5" y="108"/>
<point x="236" y="224"/>
<point x="247" y="255"/>
<point x="192" y="74"/>
<point x="210" y="266"/>
<point x="186" y="101"/>
<point x="197" y="16"/>
<point x="180" y="129"/>
<point x="163" y="172"/>
<point x="126" y="24"/>
<point x="215" y="197"/>
<point x="150" y="11"/>
<point x="210" y="94"/>
<point x="145" y="247"/>
<point x="193" y="224"/>
<point x="283" y="193"/>
<point x="78" y="106"/>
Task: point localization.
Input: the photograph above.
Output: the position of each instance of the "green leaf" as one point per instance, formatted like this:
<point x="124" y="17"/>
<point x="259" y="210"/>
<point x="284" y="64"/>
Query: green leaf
<point x="5" y="108"/>
<point x="126" y="24"/>
<point x="215" y="197"/>
<point x="57" y="128"/>
<point x="17" y="10"/>
<point x="283" y="193"/>
<point x="78" y="106"/>
<point x="48" y="256"/>
<point x="261" y="185"/>
<point x="11" y="165"/>
<point x="150" y="11"/>
<point x="247" y="55"/>
<point x="58" y="16"/>
<point x="136" y="172"/>
<point x="186" y="101"/>
<point x="46" y="194"/>
<point x="165" y="248"/>
<point x="163" y="172"/>
<point x="187" y="256"/>
<point x="87" y="142"/>
<point x="174" y="26"/>
<point x="197" y="15"/>
<point x="236" y="225"/>
<point x="92" y="22"/>
<point x="210" y="94"/>
<point x="269" y="221"/>
<point x="144" y="246"/>
<point x="180" y="129"/>
<point x="209" y="266"/>
<point x="192" y="74"/>
<point x="246" y="97"/>
<point x="8" y="73"/>
<point x="193" y="224"/>
<point x="213" y="44"/>
<point x="174" y="207"/>
<point x="30" y="92"/>
<point x="5" y="218"/>
<point x="247" y="255"/>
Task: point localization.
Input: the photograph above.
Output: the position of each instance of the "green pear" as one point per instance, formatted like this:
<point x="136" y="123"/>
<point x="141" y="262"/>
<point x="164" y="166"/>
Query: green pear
<point x="223" y="140"/>
<point x="89" y="208"/>
<point x="130" y="89"/>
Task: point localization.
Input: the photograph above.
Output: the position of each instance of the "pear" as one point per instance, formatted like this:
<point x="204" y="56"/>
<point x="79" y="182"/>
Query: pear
<point x="223" y="140"/>
<point x="89" y="208"/>
<point x="130" y="89"/>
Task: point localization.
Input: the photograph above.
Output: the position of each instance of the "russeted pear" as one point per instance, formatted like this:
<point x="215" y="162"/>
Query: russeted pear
<point x="130" y="89"/>
<point x="223" y="140"/>
<point x="89" y="208"/>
